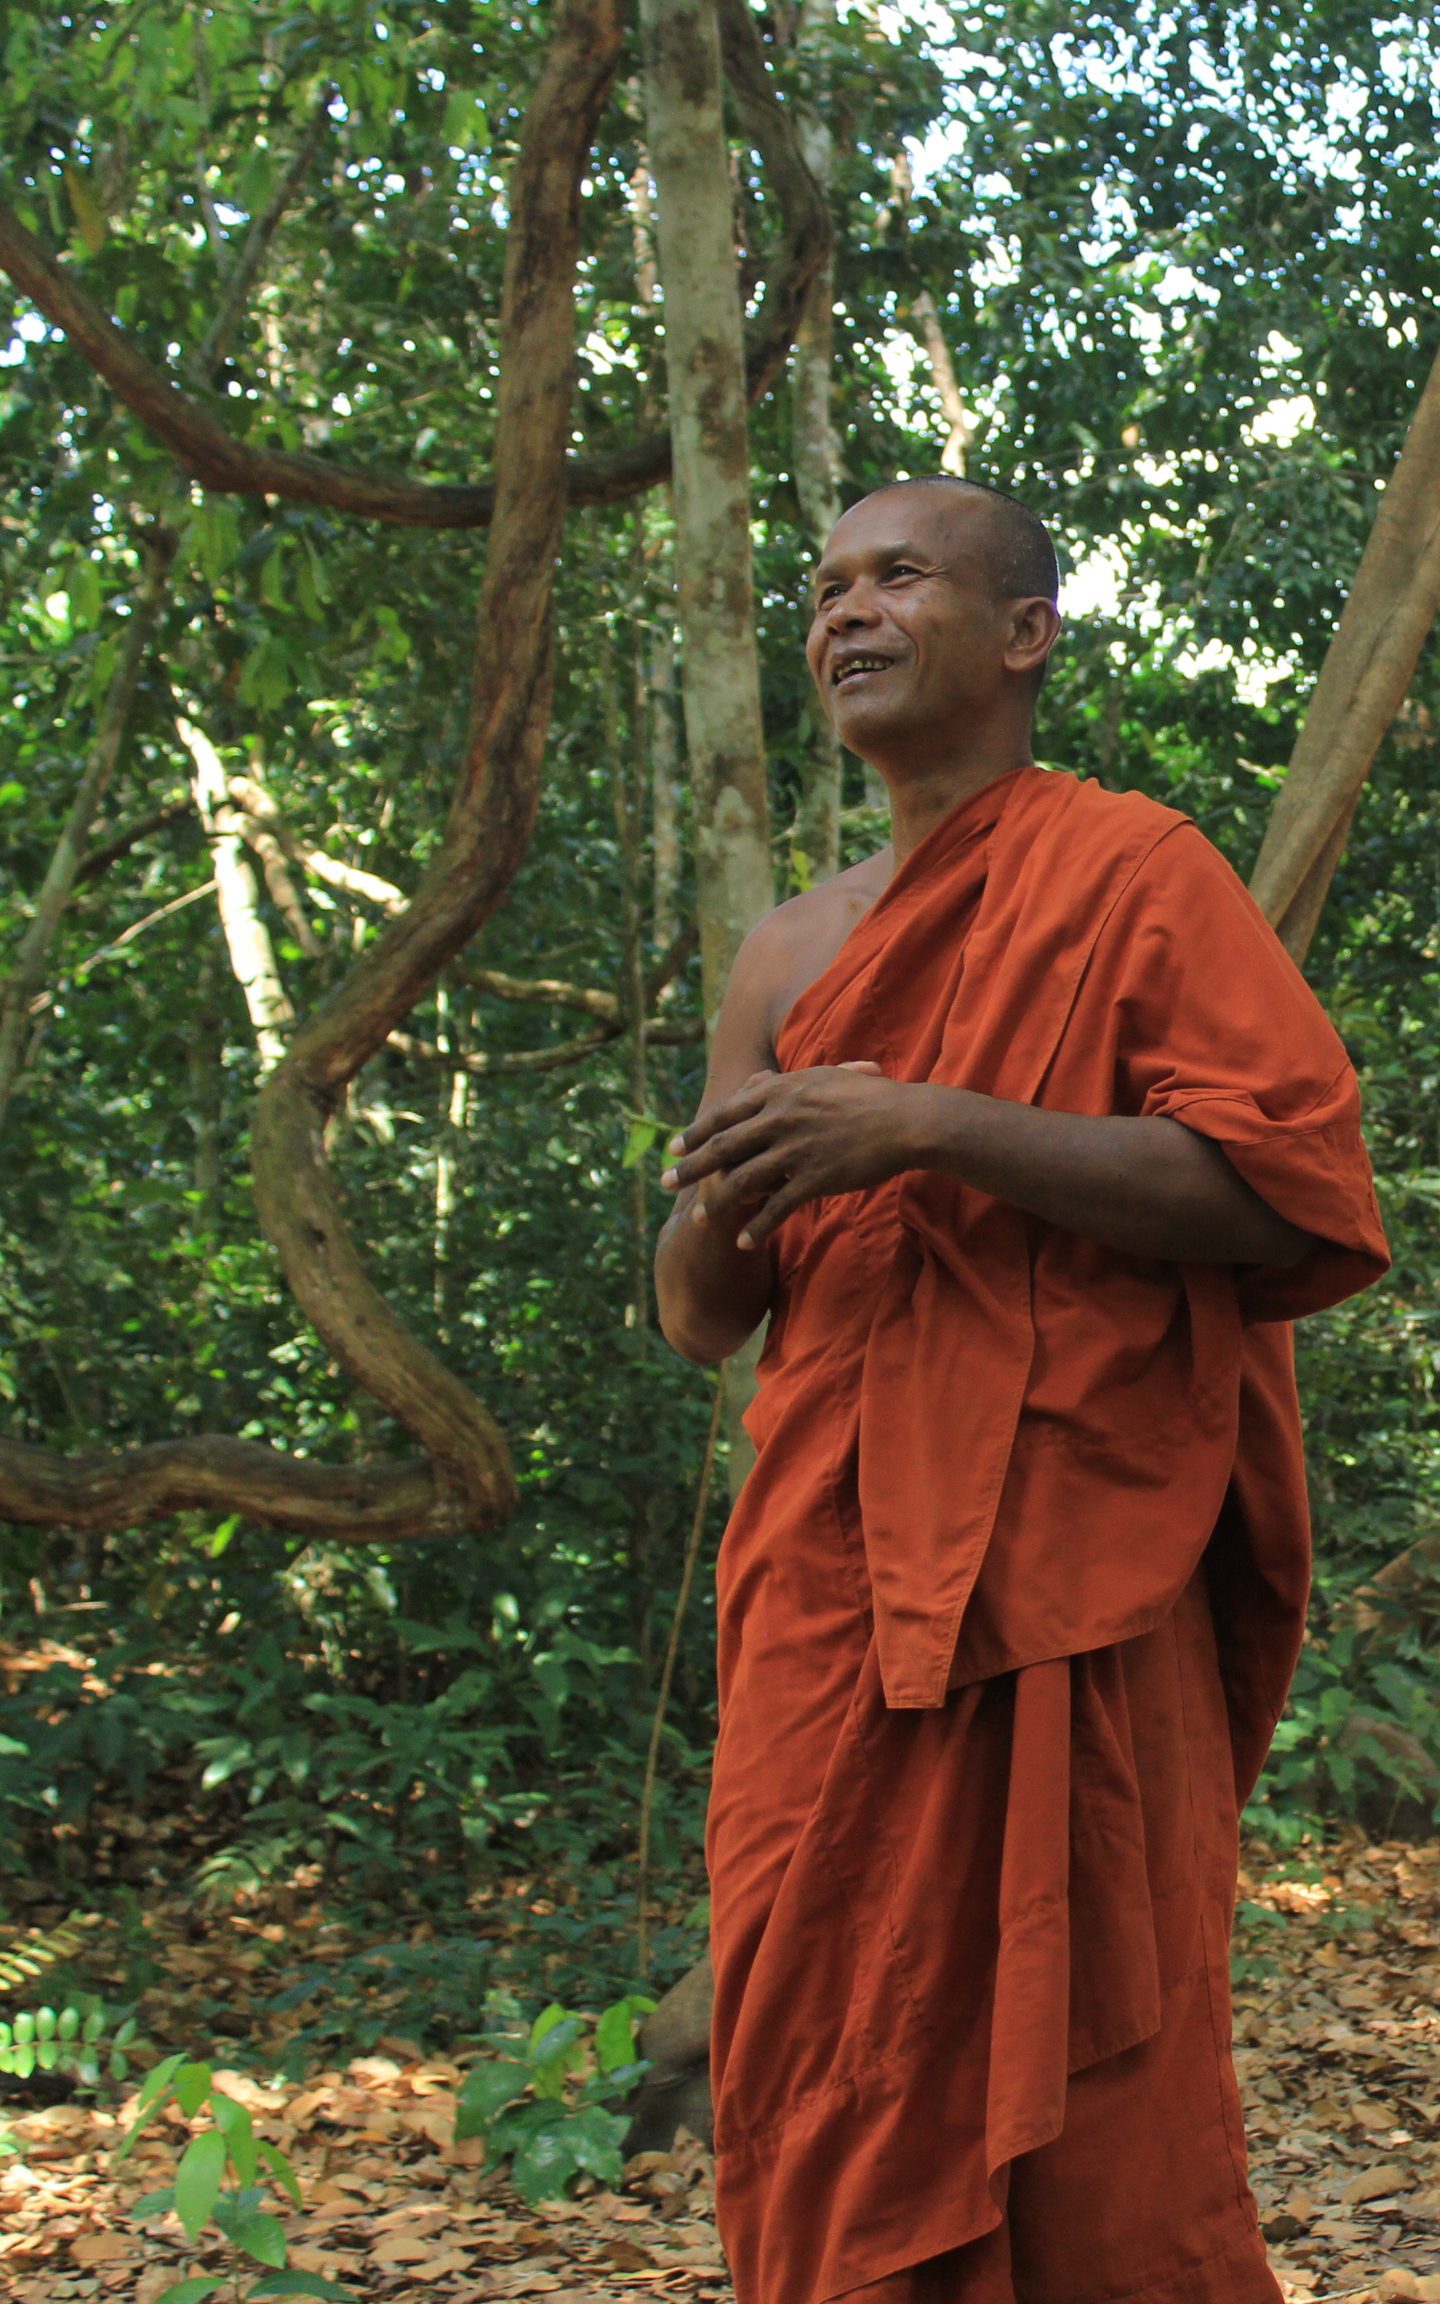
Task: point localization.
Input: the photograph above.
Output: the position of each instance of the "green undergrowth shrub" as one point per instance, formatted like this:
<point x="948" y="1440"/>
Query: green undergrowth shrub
<point x="542" y="2095"/>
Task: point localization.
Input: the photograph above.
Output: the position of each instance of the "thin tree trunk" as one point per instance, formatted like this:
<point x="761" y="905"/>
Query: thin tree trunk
<point x="28" y="971"/>
<point x="961" y="424"/>
<point x="204" y="1063"/>
<point x="454" y="1116"/>
<point x="816" y="832"/>
<point x="710" y="437"/>
<point x="237" y="893"/>
<point x="711" y="461"/>
<point x="666" y="836"/>
<point x="1367" y="670"/>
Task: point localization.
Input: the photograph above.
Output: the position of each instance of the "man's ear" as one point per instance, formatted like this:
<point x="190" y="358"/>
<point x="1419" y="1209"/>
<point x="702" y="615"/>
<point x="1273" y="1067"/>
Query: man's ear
<point x="1034" y="628"/>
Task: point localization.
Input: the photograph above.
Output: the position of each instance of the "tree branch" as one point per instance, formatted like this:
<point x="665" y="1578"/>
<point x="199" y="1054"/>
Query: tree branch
<point x="99" y="859"/>
<point x="247" y="939"/>
<point x="246" y="270"/>
<point x="492" y="814"/>
<point x="27" y="973"/>
<point x="1367" y="669"/>
<point x="130" y="1486"/>
<point x="204" y="448"/>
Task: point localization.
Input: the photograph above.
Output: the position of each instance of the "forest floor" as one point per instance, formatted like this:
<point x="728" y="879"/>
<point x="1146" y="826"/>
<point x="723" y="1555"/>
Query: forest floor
<point x="1338" y="2043"/>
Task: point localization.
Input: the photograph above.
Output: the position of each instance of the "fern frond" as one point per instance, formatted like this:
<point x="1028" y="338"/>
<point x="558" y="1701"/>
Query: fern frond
<point x="30" y="1954"/>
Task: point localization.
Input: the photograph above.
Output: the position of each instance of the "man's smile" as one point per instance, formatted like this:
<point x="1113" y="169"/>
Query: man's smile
<point x="848" y="668"/>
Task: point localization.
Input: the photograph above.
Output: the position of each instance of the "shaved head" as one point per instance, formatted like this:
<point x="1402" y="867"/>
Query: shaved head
<point x="1021" y="555"/>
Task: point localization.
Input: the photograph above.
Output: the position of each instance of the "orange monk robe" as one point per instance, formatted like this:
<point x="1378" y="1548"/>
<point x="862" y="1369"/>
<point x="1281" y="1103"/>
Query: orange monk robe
<point x="1011" y="1600"/>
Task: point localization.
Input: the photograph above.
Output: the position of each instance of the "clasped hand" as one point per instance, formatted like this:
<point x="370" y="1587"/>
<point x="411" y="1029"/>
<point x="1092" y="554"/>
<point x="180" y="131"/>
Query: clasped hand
<point x="787" y="1137"/>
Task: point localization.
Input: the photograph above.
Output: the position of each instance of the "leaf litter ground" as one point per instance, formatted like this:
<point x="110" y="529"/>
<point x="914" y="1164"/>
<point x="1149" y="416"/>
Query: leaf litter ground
<point x="1338" y="2046"/>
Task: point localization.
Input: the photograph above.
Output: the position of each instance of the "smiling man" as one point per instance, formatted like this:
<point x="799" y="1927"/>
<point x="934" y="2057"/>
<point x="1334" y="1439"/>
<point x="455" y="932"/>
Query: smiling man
<point x="1031" y="1142"/>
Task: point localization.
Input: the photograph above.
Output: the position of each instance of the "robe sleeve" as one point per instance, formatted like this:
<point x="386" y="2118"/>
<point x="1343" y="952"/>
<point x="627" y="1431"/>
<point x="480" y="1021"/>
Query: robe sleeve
<point x="1217" y="1028"/>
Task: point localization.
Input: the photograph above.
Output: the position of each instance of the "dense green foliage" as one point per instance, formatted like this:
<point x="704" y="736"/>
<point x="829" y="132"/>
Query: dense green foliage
<point x="1188" y="279"/>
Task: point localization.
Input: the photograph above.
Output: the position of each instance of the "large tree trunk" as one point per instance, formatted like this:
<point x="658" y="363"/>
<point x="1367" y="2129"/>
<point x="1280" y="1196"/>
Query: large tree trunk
<point x="1367" y="670"/>
<point x="711" y="461"/>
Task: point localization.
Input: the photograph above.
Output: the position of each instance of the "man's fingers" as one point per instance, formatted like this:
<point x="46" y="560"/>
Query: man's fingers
<point x="858" y="1064"/>
<point x="758" y="1228"/>
<point x="747" y="1100"/>
<point x="721" y="1152"/>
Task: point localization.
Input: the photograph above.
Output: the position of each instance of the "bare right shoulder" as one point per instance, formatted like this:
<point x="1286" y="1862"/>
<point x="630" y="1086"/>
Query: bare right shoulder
<point x="782" y="954"/>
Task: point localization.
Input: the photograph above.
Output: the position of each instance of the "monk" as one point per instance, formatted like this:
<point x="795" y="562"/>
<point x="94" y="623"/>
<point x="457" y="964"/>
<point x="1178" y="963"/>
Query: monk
<point x="1030" y="1141"/>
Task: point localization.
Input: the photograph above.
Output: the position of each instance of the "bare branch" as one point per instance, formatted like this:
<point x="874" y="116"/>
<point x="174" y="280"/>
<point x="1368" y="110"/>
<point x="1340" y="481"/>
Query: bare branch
<point x="99" y="859"/>
<point x="247" y="939"/>
<point x="27" y="974"/>
<point x="246" y="269"/>
<point x="668" y="1031"/>
<point x="1367" y="670"/>
<point x="138" y="927"/>
<point x="364" y="1504"/>
<point x="942" y="369"/>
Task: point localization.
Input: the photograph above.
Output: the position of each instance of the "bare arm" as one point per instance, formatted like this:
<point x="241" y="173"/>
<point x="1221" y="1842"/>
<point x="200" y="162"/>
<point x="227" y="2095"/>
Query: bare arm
<point x="1146" y="1187"/>
<point x="711" y="1294"/>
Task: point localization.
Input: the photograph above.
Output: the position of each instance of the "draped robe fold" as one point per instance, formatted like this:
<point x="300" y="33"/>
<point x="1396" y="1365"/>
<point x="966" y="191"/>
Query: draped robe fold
<point x="1011" y="1600"/>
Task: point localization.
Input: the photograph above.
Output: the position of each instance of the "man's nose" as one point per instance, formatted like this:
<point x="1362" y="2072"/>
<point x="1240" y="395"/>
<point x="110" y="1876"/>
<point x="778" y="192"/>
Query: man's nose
<point x="856" y="605"/>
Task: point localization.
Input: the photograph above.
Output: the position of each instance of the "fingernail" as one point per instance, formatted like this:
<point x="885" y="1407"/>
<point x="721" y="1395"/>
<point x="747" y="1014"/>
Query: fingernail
<point x="676" y="1144"/>
<point x="669" y="1179"/>
<point x="698" y="1213"/>
<point x="743" y="1240"/>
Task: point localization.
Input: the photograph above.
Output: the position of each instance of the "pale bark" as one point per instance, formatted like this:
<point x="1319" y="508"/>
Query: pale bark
<point x="27" y="973"/>
<point x="816" y="449"/>
<point x="666" y="835"/>
<point x="237" y="894"/>
<point x="960" y="423"/>
<point x="721" y="672"/>
<point x="257" y="828"/>
<point x="1363" y="681"/>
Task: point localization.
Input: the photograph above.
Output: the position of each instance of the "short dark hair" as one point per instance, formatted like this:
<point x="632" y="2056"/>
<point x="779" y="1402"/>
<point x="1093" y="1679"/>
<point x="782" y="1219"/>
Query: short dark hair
<point x="1026" y="566"/>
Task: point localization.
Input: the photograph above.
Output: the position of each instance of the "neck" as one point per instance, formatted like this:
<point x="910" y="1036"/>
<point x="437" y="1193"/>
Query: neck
<point x="922" y="792"/>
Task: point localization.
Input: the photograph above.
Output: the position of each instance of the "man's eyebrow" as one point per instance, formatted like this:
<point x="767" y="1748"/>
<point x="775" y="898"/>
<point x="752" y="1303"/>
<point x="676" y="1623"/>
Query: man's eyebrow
<point x="900" y="551"/>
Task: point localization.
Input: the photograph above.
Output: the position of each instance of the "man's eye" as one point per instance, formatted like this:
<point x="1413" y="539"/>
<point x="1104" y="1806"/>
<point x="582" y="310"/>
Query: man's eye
<point x="903" y="568"/>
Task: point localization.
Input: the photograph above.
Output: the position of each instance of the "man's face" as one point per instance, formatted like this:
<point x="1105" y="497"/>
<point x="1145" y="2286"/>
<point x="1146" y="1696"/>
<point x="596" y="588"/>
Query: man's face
<point x="906" y="636"/>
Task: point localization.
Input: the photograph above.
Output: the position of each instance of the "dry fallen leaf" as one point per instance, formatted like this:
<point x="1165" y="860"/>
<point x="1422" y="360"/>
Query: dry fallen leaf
<point x="101" y="2248"/>
<point x="1375" y="2183"/>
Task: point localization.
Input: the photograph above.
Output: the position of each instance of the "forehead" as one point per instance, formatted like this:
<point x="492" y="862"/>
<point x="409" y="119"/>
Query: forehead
<point x="938" y="521"/>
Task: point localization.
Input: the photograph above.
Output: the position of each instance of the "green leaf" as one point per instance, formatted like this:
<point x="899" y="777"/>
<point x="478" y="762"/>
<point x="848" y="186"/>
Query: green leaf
<point x="301" y="2284"/>
<point x="545" y="2163"/>
<point x="238" y="2130"/>
<point x="280" y="2168"/>
<point x="261" y="2236"/>
<point x="616" y="2028"/>
<point x="198" y="2180"/>
<point x="192" y="2086"/>
<point x="487" y="2089"/>
<point x="640" y="1141"/>
<point x="191" y="2291"/>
